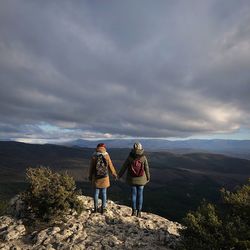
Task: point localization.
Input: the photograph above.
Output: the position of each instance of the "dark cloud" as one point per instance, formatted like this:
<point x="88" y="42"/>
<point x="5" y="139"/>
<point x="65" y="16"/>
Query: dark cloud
<point x="123" y="68"/>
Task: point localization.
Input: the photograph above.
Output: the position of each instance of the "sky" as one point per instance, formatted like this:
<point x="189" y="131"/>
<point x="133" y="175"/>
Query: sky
<point x="123" y="69"/>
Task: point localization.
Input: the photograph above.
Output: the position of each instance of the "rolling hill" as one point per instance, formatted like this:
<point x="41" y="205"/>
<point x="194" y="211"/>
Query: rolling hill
<point x="179" y="181"/>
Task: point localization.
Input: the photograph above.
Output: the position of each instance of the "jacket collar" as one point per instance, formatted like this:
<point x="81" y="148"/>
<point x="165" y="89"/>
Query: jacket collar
<point x="101" y="151"/>
<point x="137" y="152"/>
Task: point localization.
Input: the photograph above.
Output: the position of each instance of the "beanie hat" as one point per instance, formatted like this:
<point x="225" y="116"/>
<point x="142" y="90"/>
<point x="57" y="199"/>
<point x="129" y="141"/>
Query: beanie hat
<point x="137" y="146"/>
<point x="101" y="145"/>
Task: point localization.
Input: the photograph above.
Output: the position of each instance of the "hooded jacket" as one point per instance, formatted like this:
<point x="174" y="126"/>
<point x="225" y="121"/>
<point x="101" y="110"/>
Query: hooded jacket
<point x="101" y="182"/>
<point x="141" y="180"/>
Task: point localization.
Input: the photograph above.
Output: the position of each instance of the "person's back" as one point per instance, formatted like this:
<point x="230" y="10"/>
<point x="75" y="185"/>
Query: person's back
<point x="100" y="166"/>
<point x="138" y="175"/>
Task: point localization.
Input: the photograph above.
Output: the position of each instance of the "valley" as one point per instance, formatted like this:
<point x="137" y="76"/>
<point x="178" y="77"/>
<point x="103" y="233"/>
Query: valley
<point x="179" y="181"/>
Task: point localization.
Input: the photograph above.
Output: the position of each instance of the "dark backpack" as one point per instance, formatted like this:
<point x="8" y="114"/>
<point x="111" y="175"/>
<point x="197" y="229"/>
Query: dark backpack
<point x="137" y="168"/>
<point x="101" y="167"/>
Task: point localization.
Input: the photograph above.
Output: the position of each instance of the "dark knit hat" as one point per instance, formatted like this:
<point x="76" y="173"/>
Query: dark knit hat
<point x="101" y="145"/>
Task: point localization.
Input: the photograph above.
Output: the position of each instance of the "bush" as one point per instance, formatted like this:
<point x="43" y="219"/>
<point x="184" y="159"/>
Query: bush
<point x="3" y="207"/>
<point x="226" y="226"/>
<point x="50" y="195"/>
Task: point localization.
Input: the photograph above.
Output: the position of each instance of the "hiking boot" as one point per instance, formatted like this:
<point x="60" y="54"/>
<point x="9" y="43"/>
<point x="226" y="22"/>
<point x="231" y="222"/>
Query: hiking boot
<point x="95" y="210"/>
<point x="133" y="212"/>
<point x="139" y="214"/>
<point x="103" y="210"/>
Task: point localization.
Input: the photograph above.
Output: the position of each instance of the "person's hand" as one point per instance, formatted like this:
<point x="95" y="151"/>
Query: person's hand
<point x="116" y="177"/>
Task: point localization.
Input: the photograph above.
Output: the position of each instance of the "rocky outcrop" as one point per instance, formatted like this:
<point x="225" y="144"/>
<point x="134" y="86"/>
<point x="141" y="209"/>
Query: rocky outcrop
<point x="11" y="229"/>
<point x="115" y="229"/>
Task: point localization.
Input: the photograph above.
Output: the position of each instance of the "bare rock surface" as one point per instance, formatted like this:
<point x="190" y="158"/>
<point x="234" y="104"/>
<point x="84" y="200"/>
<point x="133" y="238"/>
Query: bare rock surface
<point x="116" y="229"/>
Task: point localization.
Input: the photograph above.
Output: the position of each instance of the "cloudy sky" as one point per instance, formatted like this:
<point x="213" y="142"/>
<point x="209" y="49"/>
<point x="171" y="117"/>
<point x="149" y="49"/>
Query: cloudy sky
<point x="134" y="68"/>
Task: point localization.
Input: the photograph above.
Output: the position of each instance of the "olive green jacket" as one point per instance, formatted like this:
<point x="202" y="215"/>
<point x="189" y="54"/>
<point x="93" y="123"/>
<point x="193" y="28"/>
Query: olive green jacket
<point x="141" y="180"/>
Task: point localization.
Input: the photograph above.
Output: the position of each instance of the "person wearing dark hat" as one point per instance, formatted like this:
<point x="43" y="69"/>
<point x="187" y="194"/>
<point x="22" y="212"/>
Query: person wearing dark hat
<point x="138" y="176"/>
<point x="100" y="166"/>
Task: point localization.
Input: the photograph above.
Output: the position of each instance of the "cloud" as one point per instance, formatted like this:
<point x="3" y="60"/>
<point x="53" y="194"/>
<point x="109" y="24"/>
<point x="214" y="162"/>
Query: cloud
<point x="123" y="68"/>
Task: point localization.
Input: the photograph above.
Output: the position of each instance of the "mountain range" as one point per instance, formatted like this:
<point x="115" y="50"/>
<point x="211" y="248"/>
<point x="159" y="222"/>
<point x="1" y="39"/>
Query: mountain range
<point x="237" y="148"/>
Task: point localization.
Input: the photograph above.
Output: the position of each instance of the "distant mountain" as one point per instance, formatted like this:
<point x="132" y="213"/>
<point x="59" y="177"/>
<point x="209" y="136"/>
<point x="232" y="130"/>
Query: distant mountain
<point x="237" y="148"/>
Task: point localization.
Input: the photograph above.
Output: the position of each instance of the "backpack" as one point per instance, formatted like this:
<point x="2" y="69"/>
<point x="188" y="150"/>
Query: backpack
<point x="137" y="168"/>
<point x="101" y="167"/>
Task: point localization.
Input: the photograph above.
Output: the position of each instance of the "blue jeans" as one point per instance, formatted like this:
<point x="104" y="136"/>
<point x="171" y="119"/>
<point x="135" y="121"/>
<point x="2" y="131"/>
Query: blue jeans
<point x="137" y="195"/>
<point x="104" y="197"/>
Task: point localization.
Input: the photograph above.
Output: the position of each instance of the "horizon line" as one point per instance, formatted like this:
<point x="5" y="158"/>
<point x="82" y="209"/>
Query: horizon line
<point x="43" y="141"/>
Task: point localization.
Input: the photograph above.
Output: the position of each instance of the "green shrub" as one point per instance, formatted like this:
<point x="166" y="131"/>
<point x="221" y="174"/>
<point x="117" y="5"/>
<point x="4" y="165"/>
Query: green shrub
<point x="225" y="226"/>
<point x="50" y="195"/>
<point x="3" y="207"/>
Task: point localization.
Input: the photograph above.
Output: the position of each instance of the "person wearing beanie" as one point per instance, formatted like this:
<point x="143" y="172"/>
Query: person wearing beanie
<point x="138" y="176"/>
<point x="100" y="166"/>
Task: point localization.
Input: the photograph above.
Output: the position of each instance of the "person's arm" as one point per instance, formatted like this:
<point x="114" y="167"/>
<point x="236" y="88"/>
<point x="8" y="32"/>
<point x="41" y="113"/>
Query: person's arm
<point x="91" y="168"/>
<point x="146" y="167"/>
<point x="124" y="168"/>
<point x="111" y="166"/>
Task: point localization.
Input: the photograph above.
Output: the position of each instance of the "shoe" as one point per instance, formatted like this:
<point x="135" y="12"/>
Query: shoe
<point x="139" y="214"/>
<point x="103" y="210"/>
<point x="133" y="212"/>
<point x="95" y="210"/>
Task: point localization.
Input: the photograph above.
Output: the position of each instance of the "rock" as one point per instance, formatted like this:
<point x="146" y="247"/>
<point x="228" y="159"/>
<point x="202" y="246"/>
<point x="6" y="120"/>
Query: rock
<point x="76" y="247"/>
<point x="116" y="229"/>
<point x="66" y="233"/>
<point x="55" y="230"/>
<point x="5" y="221"/>
<point x="49" y="247"/>
<point x="10" y="229"/>
<point x="20" y="228"/>
<point x="40" y="237"/>
<point x="15" y="248"/>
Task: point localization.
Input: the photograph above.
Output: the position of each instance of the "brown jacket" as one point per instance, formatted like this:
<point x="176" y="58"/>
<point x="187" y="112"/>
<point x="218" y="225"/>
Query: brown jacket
<point x="101" y="182"/>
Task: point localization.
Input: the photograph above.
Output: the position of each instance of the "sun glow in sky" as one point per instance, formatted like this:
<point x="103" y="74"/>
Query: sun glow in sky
<point x="124" y="69"/>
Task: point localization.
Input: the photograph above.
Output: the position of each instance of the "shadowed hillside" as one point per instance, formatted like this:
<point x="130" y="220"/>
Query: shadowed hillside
<point x="179" y="181"/>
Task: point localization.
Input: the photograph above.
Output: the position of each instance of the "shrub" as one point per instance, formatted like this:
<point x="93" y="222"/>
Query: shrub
<point x="225" y="226"/>
<point x="50" y="195"/>
<point x="3" y="207"/>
